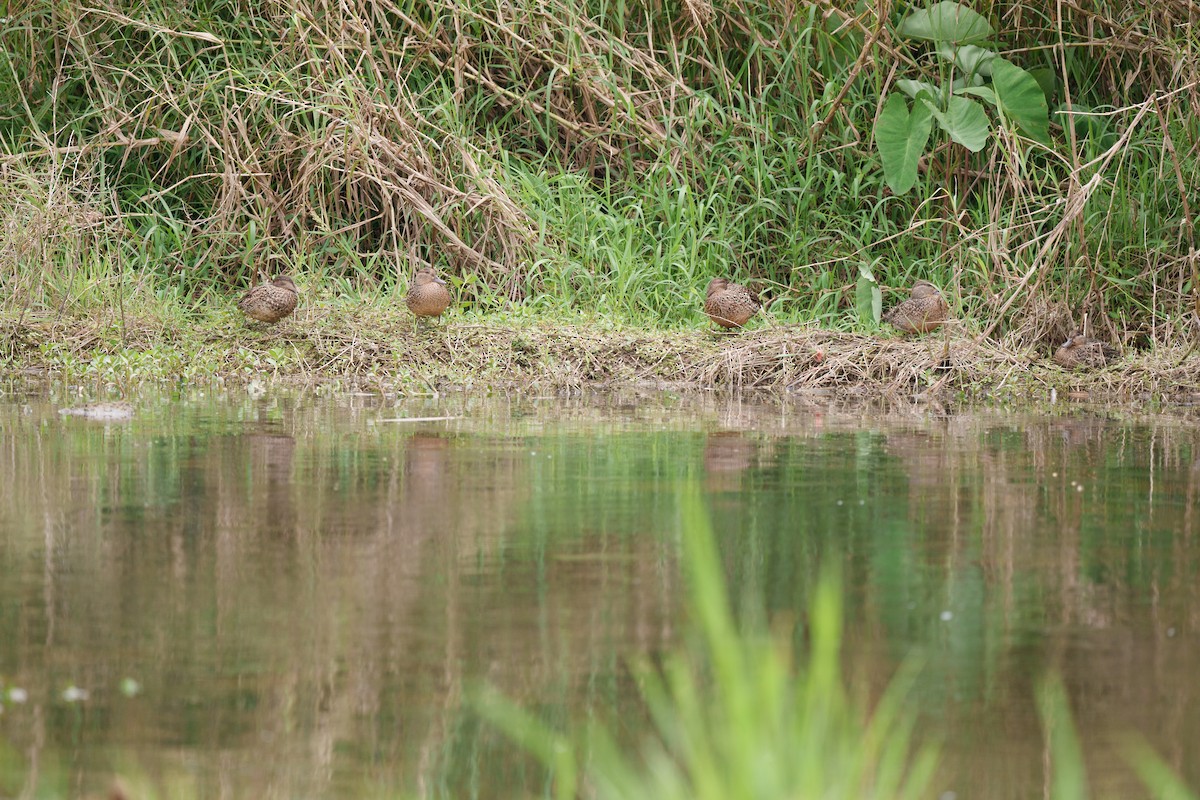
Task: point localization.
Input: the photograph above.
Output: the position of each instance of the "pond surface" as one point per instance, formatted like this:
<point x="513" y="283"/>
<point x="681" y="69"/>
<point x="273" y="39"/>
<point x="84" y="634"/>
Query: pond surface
<point x="292" y="596"/>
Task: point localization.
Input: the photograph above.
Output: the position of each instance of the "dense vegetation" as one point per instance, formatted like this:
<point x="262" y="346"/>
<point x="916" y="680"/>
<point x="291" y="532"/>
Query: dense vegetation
<point x="607" y="155"/>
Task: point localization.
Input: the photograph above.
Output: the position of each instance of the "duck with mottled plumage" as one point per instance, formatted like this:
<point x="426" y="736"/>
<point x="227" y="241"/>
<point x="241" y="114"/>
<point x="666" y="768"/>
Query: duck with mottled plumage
<point x="270" y="302"/>
<point x="729" y="304"/>
<point x="1080" y="352"/>
<point x="925" y="310"/>
<point x="427" y="294"/>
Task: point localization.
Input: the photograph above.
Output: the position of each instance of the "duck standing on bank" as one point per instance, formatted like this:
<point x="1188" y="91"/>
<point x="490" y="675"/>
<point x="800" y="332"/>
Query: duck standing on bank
<point x="728" y="304"/>
<point x="270" y="302"/>
<point x="1080" y="352"/>
<point x="427" y="294"/>
<point x="925" y="310"/>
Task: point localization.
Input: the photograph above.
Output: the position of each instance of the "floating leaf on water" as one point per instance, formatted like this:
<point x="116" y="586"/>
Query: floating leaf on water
<point x="17" y="695"/>
<point x="130" y="687"/>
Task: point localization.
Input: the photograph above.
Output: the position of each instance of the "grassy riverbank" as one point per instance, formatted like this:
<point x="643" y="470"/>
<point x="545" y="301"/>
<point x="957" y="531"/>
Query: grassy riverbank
<point x="374" y="344"/>
<point x="579" y="172"/>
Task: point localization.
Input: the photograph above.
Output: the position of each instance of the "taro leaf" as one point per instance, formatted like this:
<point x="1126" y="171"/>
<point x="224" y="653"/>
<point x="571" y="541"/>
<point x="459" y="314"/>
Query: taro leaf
<point x="946" y="22"/>
<point x="868" y="299"/>
<point x="982" y="92"/>
<point x="964" y="120"/>
<point x="968" y="58"/>
<point x="1021" y="99"/>
<point x="964" y="82"/>
<point x="913" y="88"/>
<point x="1047" y="79"/>
<point x="901" y="138"/>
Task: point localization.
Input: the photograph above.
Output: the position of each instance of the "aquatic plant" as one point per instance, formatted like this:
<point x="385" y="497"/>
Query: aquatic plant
<point x="739" y="715"/>
<point x="744" y="715"/>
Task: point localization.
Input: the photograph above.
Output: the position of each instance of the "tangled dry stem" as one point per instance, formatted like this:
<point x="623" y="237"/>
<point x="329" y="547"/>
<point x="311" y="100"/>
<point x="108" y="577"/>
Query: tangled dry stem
<point x="385" y="350"/>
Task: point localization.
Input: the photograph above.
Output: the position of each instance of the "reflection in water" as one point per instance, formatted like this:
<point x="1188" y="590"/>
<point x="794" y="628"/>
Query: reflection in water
<point x="305" y="592"/>
<point x="270" y="460"/>
<point x="727" y="456"/>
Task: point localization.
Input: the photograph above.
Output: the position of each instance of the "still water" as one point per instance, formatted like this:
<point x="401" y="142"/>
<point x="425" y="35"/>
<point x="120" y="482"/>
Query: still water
<point x="291" y="596"/>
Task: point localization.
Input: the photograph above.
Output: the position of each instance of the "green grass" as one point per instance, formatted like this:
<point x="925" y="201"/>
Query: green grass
<point x="116" y="331"/>
<point x="740" y="716"/>
<point x="745" y="714"/>
<point x="610" y="157"/>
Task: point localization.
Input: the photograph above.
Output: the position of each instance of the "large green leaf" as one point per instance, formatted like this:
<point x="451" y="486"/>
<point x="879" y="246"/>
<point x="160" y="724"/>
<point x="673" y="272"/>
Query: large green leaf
<point x="1047" y="79"/>
<point x="868" y="299"/>
<point x="901" y="138"/>
<point x="968" y="58"/>
<point x="946" y="21"/>
<point x="1021" y="99"/>
<point x="982" y="92"/>
<point x="913" y="88"/>
<point x="964" y="120"/>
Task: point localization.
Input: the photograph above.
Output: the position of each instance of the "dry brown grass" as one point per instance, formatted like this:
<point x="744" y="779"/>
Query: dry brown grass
<point x="382" y="349"/>
<point x="363" y="139"/>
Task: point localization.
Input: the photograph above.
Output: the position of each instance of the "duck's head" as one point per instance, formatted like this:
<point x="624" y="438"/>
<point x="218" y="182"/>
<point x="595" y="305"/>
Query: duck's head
<point x="716" y="285"/>
<point x="426" y="276"/>
<point x="923" y="289"/>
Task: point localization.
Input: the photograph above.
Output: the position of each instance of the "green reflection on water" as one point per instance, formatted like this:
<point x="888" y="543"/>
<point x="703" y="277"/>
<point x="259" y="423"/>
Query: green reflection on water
<point x="303" y="589"/>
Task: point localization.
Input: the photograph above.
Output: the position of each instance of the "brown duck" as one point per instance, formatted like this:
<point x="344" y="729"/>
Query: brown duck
<point x="730" y="305"/>
<point x="1080" y="352"/>
<point x="270" y="302"/>
<point x="427" y="295"/>
<point x="924" y="311"/>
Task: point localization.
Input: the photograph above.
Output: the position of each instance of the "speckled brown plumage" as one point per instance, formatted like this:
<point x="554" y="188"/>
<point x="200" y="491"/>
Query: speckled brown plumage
<point x="730" y="305"/>
<point x="427" y="295"/>
<point x="925" y="310"/>
<point x="270" y="302"/>
<point x="1080" y="352"/>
